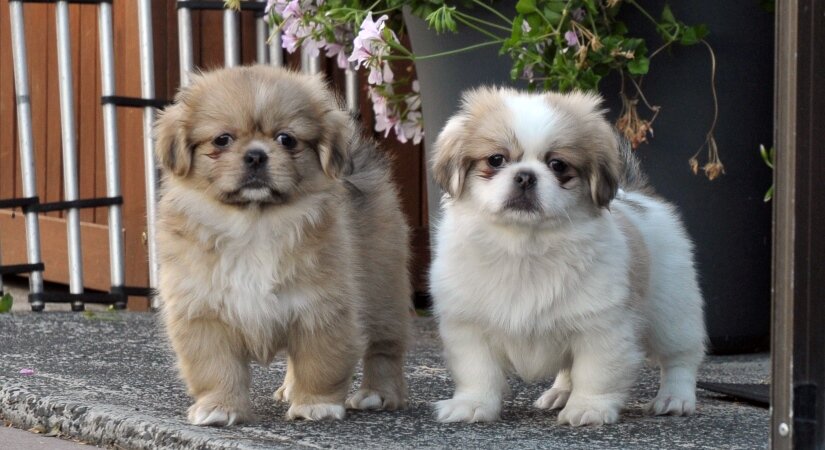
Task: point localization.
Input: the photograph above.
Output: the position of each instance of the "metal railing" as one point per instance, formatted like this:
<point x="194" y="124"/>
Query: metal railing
<point x="268" y="51"/>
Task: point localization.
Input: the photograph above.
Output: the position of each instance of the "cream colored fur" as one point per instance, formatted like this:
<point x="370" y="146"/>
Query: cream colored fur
<point x="561" y="278"/>
<point x="305" y="255"/>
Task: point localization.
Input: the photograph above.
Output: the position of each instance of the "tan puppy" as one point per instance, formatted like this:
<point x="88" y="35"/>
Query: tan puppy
<point x="279" y="229"/>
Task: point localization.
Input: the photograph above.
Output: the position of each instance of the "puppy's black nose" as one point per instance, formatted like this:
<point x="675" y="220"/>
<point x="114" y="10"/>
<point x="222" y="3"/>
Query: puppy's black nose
<point x="526" y="180"/>
<point x="255" y="158"/>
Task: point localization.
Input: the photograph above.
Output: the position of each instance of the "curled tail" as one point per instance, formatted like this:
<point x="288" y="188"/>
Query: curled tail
<point x="633" y="179"/>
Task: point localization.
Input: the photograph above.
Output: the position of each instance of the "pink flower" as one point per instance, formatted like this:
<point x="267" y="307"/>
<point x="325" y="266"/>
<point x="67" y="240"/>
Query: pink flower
<point x="577" y="14"/>
<point x="369" y="44"/>
<point x="27" y="372"/>
<point x="292" y="10"/>
<point x="336" y="50"/>
<point x="289" y="42"/>
<point x="279" y="6"/>
<point x="572" y="38"/>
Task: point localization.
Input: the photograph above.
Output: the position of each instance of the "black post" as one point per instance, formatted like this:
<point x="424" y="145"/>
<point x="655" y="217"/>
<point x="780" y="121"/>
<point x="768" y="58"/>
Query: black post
<point x="798" y="351"/>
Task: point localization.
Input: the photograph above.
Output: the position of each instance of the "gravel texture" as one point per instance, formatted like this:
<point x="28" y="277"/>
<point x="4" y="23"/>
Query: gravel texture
<point x="109" y="379"/>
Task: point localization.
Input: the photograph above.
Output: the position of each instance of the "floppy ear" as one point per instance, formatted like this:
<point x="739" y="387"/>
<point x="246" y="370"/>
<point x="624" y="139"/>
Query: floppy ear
<point x="605" y="173"/>
<point x="448" y="165"/>
<point x="171" y="147"/>
<point x="333" y="148"/>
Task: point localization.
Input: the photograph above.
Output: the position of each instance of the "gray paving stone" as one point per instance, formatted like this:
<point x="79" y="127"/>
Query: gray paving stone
<point x="109" y="379"/>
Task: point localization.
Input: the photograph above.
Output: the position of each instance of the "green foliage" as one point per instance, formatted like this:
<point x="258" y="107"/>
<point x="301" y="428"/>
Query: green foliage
<point x="6" y="301"/>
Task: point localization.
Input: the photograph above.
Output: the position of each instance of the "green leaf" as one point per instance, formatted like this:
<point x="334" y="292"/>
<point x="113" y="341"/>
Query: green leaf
<point x="768" y="195"/>
<point x="638" y="66"/>
<point x="667" y="15"/>
<point x="693" y="35"/>
<point x="526" y="6"/>
<point x="232" y="4"/>
<point x="442" y="19"/>
<point x="5" y="302"/>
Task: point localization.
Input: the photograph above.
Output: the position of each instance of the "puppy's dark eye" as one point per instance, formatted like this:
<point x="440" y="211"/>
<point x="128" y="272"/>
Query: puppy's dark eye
<point x="557" y="165"/>
<point x="496" y="160"/>
<point x="286" y="140"/>
<point x="223" y="141"/>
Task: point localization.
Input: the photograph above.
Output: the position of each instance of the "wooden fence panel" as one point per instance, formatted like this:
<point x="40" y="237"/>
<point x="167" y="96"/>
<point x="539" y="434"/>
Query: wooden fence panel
<point x="208" y="53"/>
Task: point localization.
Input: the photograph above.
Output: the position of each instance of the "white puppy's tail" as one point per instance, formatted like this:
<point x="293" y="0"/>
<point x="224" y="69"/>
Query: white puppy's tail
<point x="633" y="179"/>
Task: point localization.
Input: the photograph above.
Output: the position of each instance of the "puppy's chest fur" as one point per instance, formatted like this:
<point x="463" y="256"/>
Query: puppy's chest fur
<point x="258" y="271"/>
<point x="522" y="286"/>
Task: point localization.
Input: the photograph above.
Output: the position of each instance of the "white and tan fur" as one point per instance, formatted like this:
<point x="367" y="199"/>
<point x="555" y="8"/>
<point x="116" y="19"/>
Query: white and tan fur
<point x="578" y="278"/>
<point x="285" y="236"/>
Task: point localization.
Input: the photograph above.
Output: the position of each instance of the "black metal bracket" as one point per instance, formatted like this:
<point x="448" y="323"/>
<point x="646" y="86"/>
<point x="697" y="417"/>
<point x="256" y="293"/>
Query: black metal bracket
<point x="73" y="204"/>
<point x="16" y="269"/>
<point x="134" y="102"/>
<point x="24" y="202"/>
<point x="87" y="2"/>
<point x="257" y="7"/>
<point x="32" y="204"/>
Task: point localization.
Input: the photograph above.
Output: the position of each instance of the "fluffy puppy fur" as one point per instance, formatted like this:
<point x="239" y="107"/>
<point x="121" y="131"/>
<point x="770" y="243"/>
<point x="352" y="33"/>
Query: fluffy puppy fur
<point x="539" y="270"/>
<point x="279" y="230"/>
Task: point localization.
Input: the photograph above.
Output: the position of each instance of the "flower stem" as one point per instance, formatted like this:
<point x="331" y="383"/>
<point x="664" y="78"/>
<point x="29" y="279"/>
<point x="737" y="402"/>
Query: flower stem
<point x="458" y="50"/>
<point x="482" y="21"/>
<point x="475" y="27"/>
<point x="494" y="11"/>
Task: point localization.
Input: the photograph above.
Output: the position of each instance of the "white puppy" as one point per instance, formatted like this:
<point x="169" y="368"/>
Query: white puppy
<point x="541" y="270"/>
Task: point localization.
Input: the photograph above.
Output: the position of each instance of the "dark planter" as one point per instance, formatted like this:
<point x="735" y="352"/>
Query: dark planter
<point x="728" y="220"/>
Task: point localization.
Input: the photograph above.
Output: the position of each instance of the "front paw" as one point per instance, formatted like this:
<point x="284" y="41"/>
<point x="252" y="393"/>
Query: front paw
<point x="553" y="398"/>
<point x="588" y="411"/>
<point x="371" y="399"/>
<point x="459" y="409"/>
<point x="317" y="411"/>
<point x="208" y="413"/>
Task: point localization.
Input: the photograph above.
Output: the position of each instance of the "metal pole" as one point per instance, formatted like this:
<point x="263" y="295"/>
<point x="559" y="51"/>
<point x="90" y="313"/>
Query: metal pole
<point x="147" y="90"/>
<point x="69" y="141"/>
<point x="351" y="89"/>
<point x="26" y="143"/>
<point x="276" y="51"/>
<point x="262" y="55"/>
<point x="185" y="45"/>
<point x="231" y="43"/>
<point x="110" y="147"/>
<point x="309" y="64"/>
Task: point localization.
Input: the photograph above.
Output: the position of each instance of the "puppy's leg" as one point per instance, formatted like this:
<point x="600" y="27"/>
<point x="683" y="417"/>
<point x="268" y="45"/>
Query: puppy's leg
<point x="383" y="386"/>
<point x="214" y="366"/>
<point x="676" y="340"/>
<point x="605" y="366"/>
<point x="556" y="397"/>
<point x="678" y="348"/>
<point x="322" y="362"/>
<point x="479" y="379"/>
<point x="283" y="392"/>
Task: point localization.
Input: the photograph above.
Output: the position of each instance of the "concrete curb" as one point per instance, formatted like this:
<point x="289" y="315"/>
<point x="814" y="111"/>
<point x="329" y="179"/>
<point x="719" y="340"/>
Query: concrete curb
<point x="102" y="424"/>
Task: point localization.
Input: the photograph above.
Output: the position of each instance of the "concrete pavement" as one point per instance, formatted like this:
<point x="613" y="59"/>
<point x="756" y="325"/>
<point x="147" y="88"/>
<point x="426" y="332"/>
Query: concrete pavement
<point x="109" y="379"/>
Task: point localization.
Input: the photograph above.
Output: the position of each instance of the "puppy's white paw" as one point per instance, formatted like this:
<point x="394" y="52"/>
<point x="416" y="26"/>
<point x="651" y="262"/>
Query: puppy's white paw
<point x="553" y="398"/>
<point x="466" y="410"/>
<point x="211" y="414"/>
<point x="283" y="393"/>
<point x="583" y="412"/>
<point x="318" y="411"/>
<point x="371" y="399"/>
<point x="672" y="404"/>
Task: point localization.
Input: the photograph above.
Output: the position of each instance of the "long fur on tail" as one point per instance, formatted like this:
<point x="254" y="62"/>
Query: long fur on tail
<point x="633" y="179"/>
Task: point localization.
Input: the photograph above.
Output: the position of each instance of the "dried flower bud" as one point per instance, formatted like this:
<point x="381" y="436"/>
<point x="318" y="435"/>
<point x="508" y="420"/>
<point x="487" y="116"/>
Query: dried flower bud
<point x="714" y="170"/>
<point x="694" y="165"/>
